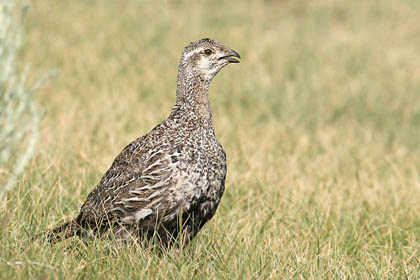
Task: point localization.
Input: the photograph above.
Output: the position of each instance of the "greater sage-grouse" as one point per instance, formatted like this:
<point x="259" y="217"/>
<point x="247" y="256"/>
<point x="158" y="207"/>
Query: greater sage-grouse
<point x="168" y="183"/>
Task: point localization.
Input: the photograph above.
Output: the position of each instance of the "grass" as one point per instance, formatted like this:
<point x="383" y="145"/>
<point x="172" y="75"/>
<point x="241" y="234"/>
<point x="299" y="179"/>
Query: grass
<point x="320" y="122"/>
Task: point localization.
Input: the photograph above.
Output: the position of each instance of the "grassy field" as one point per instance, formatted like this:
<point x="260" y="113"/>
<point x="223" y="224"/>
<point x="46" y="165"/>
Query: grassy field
<point x="320" y="123"/>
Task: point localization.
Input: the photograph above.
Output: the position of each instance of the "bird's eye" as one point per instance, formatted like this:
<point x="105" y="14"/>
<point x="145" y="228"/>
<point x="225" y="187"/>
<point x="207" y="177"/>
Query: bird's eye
<point x="208" y="51"/>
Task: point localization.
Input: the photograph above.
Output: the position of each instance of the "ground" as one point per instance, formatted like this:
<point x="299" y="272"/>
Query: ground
<point x="320" y="122"/>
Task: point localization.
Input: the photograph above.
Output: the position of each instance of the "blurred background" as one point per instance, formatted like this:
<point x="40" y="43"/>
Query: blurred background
<point x="320" y="120"/>
<point x="307" y="65"/>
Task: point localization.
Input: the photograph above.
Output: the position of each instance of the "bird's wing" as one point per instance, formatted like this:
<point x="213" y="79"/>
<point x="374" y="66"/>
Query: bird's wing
<point x="135" y="183"/>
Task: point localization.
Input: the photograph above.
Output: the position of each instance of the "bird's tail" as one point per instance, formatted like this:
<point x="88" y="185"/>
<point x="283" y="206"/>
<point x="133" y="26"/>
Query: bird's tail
<point x="64" y="231"/>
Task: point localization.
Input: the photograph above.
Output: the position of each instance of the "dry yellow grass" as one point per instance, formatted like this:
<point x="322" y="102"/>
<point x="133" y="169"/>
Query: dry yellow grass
<point x="320" y="122"/>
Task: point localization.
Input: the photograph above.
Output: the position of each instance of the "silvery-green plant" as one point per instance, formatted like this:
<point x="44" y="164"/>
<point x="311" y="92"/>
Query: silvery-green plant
<point x="19" y="115"/>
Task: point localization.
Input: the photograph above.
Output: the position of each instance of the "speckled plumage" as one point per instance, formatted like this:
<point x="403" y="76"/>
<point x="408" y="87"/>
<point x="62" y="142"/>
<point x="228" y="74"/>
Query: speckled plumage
<point x="169" y="182"/>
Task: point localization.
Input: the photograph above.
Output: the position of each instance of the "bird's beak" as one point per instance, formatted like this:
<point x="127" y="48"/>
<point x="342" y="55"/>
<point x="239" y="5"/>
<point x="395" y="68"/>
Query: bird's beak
<point x="230" y="57"/>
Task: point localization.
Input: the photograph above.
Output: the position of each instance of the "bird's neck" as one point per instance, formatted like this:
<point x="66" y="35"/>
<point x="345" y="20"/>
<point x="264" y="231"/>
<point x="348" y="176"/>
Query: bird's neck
<point x="192" y="94"/>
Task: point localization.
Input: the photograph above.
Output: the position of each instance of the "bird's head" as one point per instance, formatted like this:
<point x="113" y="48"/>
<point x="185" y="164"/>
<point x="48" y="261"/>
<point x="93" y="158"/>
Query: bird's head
<point x="207" y="57"/>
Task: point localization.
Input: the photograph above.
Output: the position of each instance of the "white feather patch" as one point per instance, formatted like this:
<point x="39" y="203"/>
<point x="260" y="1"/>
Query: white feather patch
<point x="141" y="214"/>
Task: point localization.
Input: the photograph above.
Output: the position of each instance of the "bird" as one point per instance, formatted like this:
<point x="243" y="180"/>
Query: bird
<point x="167" y="184"/>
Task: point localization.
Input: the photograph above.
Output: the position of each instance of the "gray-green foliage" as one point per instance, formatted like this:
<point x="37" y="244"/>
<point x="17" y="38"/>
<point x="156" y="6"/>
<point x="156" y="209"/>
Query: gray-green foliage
<point x="19" y="116"/>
